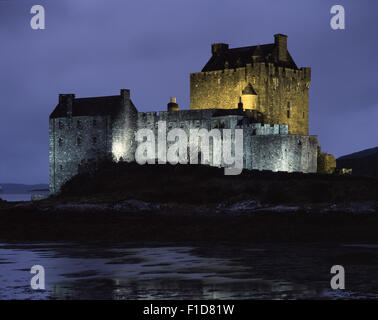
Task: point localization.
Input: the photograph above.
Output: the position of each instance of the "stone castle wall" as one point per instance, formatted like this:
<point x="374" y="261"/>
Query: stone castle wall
<point x="73" y="141"/>
<point x="124" y="124"/>
<point x="282" y="93"/>
<point x="291" y="153"/>
<point x="76" y="140"/>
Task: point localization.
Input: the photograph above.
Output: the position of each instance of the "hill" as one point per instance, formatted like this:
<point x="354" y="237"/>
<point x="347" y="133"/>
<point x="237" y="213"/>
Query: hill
<point x="363" y="163"/>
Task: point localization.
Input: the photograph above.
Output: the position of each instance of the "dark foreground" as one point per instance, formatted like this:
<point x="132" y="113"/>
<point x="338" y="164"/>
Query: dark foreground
<point x="129" y="202"/>
<point x="132" y="232"/>
<point x="32" y="224"/>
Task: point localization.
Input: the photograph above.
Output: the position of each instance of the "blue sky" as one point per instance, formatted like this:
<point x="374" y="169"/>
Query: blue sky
<point x="96" y="47"/>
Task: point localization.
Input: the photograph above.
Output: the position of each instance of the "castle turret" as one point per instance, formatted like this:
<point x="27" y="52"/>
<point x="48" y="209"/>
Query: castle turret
<point x="172" y="105"/>
<point x="249" y="97"/>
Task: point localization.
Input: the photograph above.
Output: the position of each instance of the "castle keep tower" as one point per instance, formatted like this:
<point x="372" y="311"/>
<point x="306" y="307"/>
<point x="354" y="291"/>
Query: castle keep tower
<point x="263" y="77"/>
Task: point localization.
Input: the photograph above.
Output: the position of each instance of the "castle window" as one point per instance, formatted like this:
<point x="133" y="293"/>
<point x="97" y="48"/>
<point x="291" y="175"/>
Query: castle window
<point x="94" y="123"/>
<point x="78" y="141"/>
<point x="288" y="113"/>
<point x="79" y="124"/>
<point x="94" y="140"/>
<point x="60" y="142"/>
<point x="60" y="167"/>
<point x="288" y="109"/>
<point x="61" y="125"/>
<point x="254" y="132"/>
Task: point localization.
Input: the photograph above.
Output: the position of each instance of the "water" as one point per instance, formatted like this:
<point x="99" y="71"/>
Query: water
<point x="15" y="197"/>
<point x="19" y="196"/>
<point x="128" y="271"/>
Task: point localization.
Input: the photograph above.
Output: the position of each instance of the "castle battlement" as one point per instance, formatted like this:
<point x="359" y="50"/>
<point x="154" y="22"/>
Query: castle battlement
<point x="264" y="129"/>
<point x="267" y="69"/>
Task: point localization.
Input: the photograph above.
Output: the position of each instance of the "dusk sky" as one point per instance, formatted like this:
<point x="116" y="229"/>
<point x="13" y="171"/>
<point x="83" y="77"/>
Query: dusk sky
<point x="97" y="47"/>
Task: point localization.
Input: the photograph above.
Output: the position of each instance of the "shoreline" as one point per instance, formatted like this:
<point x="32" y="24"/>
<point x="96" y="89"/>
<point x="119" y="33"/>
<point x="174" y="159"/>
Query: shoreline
<point x="35" y="221"/>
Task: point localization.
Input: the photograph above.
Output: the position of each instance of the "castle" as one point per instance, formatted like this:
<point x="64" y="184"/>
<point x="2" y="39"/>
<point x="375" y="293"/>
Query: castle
<point x="258" y="89"/>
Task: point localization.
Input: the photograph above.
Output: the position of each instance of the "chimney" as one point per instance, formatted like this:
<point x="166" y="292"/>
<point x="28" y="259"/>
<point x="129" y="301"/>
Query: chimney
<point x="280" y="42"/>
<point x="67" y="100"/>
<point x="125" y="96"/>
<point x="172" y="105"/>
<point x="218" y="48"/>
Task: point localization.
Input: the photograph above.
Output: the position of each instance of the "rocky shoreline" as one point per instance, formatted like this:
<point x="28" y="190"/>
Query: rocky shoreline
<point x="134" y="220"/>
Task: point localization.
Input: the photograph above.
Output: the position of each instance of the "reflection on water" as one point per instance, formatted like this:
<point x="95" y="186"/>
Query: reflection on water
<point x="127" y="271"/>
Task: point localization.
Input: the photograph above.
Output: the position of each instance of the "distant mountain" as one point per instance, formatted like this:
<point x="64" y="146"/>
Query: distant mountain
<point x="364" y="163"/>
<point x="21" y="188"/>
<point x="360" y="154"/>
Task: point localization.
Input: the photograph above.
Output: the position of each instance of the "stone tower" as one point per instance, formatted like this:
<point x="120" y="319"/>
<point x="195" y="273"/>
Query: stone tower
<point x="264" y="77"/>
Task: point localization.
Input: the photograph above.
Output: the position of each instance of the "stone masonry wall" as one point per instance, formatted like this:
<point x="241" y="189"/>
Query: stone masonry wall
<point x="74" y="140"/>
<point x="291" y="153"/>
<point x="280" y="90"/>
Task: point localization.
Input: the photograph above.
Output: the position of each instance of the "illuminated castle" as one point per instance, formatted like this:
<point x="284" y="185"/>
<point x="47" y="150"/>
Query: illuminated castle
<point x="258" y="89"/>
